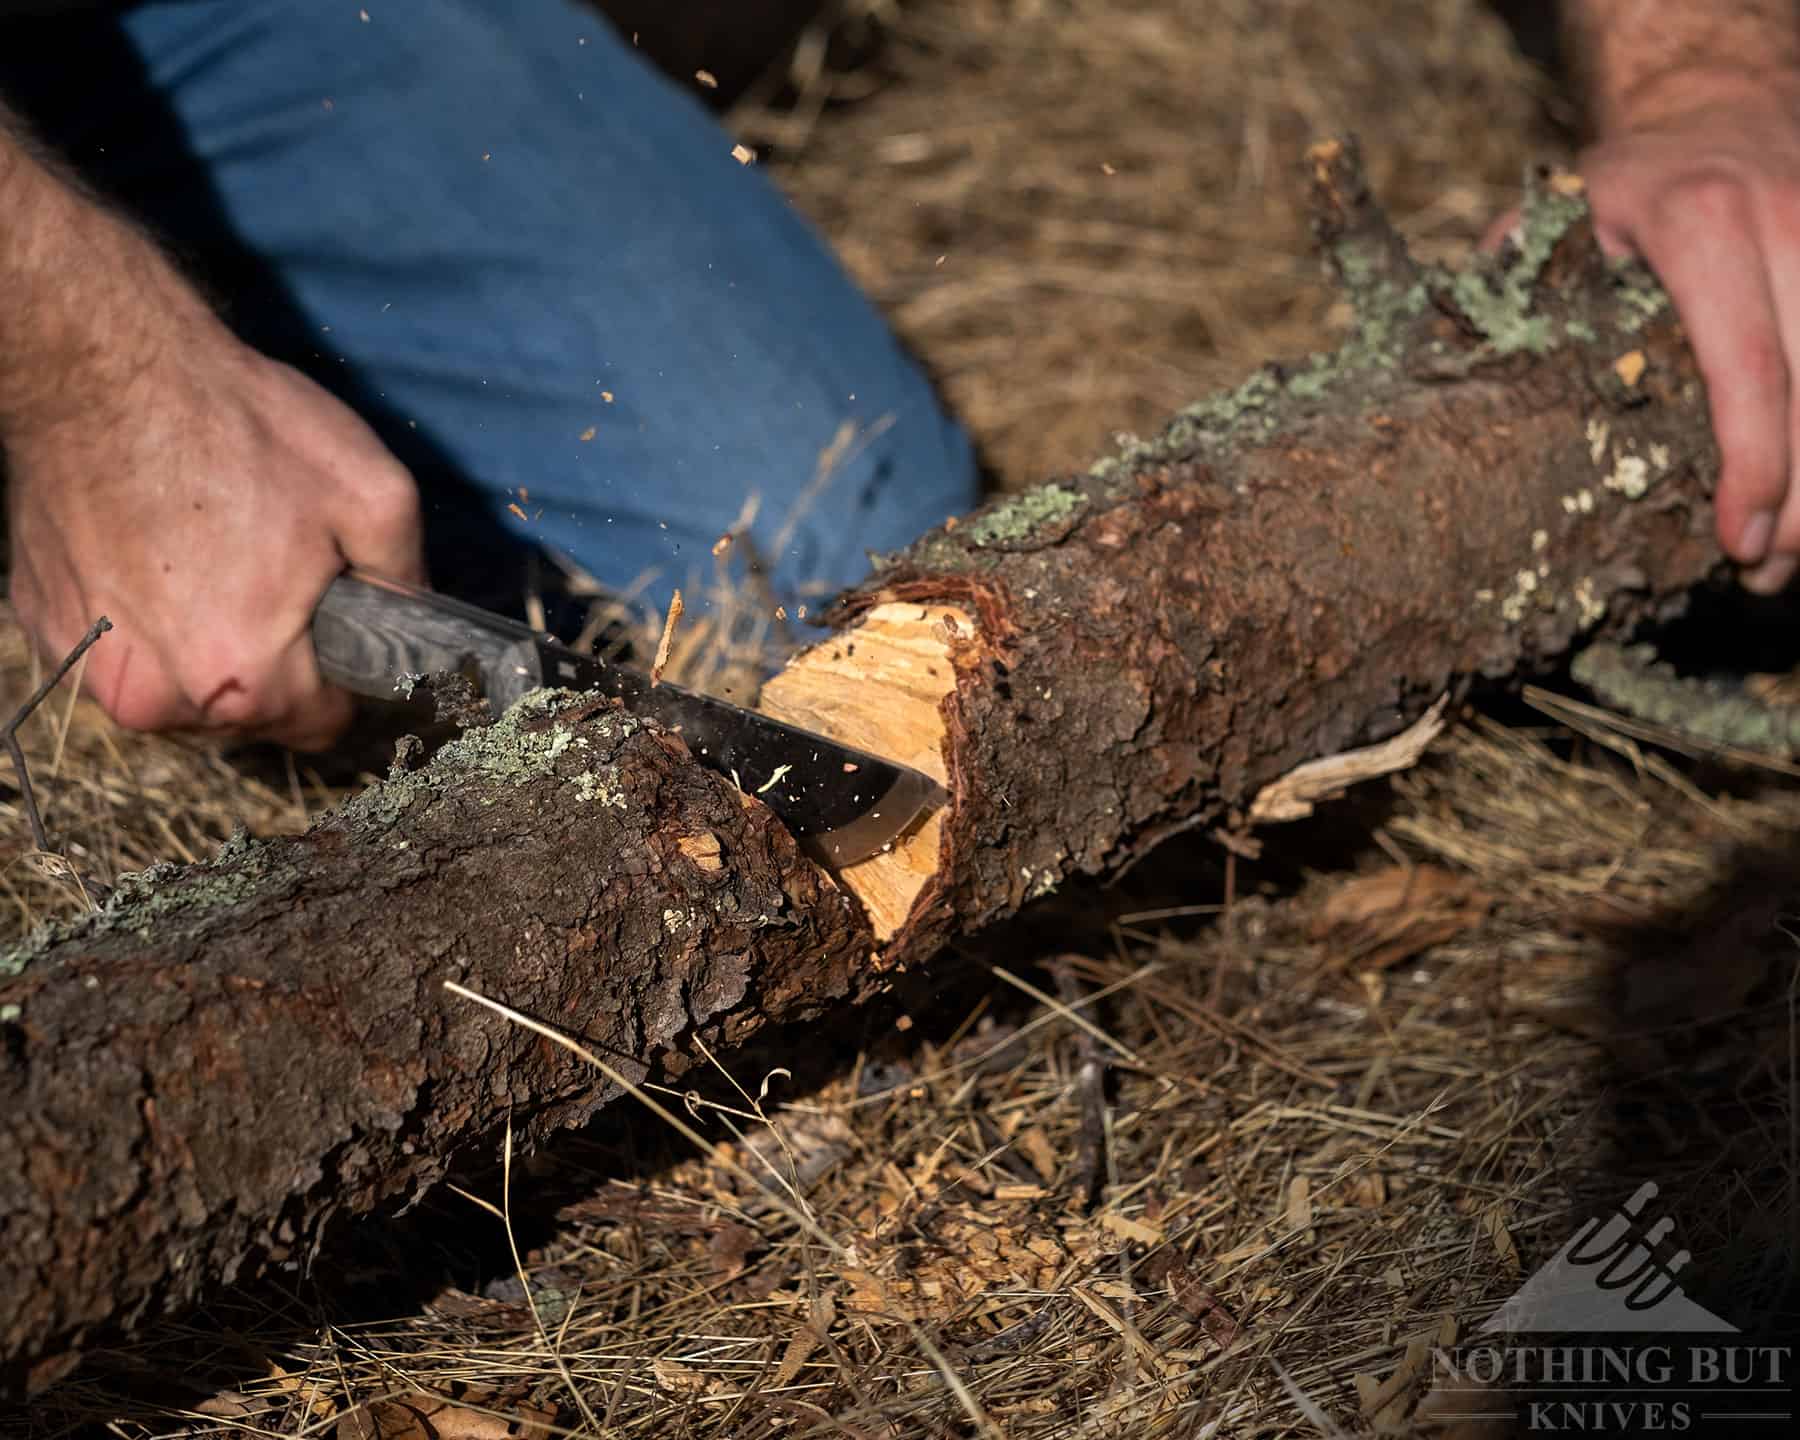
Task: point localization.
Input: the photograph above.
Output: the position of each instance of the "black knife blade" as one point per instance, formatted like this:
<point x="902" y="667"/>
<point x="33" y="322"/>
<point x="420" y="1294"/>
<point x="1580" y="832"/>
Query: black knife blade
<point x="846" y="803"/>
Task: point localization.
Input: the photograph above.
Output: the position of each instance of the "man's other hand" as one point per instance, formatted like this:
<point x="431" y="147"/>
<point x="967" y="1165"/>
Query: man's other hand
<point x="204" y="502"/>
<point x="1704" y="183"/>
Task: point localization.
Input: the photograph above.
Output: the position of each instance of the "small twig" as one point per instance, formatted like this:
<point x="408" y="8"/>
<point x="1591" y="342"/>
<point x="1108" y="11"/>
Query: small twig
<point x="24" y="713"/>
<point x="1093" y="1154"/>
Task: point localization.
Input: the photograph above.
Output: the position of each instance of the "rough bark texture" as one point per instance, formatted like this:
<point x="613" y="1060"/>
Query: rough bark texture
<point x="196" y="1079"/>
<point x="1498" y="463"/>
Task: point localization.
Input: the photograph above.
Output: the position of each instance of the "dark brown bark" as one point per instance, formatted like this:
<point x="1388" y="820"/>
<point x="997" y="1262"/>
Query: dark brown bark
<point x="198" y="1078"/>
<point x="1499" y="464"/>
<point x="195" y="1081"/>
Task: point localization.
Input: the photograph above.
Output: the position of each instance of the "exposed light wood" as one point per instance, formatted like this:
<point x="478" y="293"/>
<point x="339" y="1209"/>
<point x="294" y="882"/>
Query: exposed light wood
<point x="879" y="686"/>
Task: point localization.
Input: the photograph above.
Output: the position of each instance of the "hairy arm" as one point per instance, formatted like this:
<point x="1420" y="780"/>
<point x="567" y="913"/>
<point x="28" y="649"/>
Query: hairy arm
<point x="1634" y="58"/>
<point x="161" y="472"/>
<point x="55" y="332"/>
<point x="1694" y="107"/>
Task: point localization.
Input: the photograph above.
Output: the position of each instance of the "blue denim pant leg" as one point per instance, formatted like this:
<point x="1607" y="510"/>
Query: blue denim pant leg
<point x="544" y="263"/>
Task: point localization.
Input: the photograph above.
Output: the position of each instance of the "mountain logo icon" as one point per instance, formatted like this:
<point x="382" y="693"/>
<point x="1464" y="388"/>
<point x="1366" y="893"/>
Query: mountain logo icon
<point x="1607" y="1279"/>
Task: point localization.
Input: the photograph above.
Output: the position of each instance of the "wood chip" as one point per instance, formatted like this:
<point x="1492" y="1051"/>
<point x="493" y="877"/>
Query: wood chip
<point x="1197" y="1298"/>
<point x="1124" y="1228"/>
<point x="773" y="780"/>
<point x="590" y="432"/>
<point x="517" y="511"/>
<point x="721" y="545"/>
<point x="1493" y="1220"/>
<point x="1380" y="919"/>
<point x="702" y="849"/>
<point x="1299" y="1204"/>
<point x="742" y="153"/>
<point x="667" y="642"/>
<point x="1020" y="1192"/>
<point x="1629" y="367"/>
<point x="707" y="79"/>
<point x="1035" y="1146"/>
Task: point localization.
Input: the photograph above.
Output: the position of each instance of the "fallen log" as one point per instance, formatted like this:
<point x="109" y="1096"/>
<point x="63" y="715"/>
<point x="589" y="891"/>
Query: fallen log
<point x="1498" y="463"/>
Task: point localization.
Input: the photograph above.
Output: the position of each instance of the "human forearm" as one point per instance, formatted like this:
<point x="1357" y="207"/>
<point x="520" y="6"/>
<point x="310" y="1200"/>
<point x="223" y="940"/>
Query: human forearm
<point x="163" y="473"/>
<point x="85" y="299"/>
<point x="1641" y="61"/>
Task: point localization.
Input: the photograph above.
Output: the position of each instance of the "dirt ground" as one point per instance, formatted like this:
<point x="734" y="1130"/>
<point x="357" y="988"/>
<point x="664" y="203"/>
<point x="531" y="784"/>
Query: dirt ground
<point x="1226" y="1150"/>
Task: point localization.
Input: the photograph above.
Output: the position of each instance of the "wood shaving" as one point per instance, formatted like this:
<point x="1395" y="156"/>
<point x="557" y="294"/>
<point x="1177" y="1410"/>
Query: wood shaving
<point x="1293" y="796"/>
<point x="667" y="643"/>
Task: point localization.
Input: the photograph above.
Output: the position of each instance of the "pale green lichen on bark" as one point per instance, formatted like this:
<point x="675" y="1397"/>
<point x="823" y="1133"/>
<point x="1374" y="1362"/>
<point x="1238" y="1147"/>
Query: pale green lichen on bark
<point x="1018" y="519"/>
<point x="146" y="901"/>
<point x="1501" y="301"/>
<point x="1714" y="711"/>
<point x="1014" y="522"/>
<point x="516" y="748"/>
<point x="1498" y="297"/>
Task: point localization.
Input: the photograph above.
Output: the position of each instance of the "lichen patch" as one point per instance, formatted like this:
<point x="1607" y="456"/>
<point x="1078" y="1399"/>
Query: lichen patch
<point x="1630" y="476"/>
<point x="1590" y="607"/>
<point x="1518" y="598"/>
<point x="1598" y="433"/>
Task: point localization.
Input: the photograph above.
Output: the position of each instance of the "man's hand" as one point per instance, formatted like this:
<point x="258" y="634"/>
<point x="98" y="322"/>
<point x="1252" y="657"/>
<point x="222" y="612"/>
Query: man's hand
<point x="1710" y="197"/>
<point x="162" y="473"/>
<point x="1696" y="167"/>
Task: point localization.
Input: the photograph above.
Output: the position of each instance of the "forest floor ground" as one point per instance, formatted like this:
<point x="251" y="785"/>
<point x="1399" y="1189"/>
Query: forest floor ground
<point x="1241" y="1146"/>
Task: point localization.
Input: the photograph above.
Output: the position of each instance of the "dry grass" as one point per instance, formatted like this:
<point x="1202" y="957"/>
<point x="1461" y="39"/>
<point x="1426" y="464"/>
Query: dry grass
<point x="1287" y="1126"/>
<point x="1084" y="213"/>
<point x="114" y="801"/>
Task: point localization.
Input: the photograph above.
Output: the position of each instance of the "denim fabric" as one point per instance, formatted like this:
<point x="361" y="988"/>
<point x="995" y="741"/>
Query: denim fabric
<point x="532" y="262"/>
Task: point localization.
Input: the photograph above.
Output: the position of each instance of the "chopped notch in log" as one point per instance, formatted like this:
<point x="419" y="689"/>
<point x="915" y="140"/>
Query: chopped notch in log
<point x="1498" y="463"/>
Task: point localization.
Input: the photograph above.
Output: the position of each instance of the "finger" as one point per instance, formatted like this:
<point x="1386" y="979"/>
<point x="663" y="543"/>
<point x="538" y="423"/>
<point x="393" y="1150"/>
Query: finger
<point x="283" y="699"/>
<point x="134" y="686"/>
<point x="315" y="714"/>
<point x="1772" y="576"/>
<point x="1705" y="251"/>
<point x="316" y="725"/>
<point x="381" y="528"/>
<point x="1780" y="224"/>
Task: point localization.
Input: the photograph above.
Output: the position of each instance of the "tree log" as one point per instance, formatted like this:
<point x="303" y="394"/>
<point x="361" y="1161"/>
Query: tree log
<point x="1496" y="464"/>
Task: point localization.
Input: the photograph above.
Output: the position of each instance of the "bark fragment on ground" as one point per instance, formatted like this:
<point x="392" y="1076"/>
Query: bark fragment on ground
<point x="1498" y="463"/>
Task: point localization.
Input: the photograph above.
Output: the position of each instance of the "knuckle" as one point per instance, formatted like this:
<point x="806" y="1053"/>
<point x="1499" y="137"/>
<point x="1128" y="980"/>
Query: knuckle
<point x="1713" y="196"/>
<point x="228" y="686"/>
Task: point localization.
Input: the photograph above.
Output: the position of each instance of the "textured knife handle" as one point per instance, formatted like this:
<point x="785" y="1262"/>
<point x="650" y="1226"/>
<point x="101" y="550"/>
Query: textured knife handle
<point x="367" y="633"/>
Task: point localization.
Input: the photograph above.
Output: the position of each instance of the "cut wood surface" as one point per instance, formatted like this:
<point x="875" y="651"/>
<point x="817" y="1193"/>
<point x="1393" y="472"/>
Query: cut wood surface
<point x="1498" y="463"/>
<point x="882" y="687"/>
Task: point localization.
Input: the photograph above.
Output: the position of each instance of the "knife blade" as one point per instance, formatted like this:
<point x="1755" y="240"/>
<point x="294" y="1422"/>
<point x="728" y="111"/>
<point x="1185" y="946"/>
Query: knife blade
<point x="845" y="803"/>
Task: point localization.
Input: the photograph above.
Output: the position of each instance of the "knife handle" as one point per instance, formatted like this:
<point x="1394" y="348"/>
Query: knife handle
<point x="367" y="632"/>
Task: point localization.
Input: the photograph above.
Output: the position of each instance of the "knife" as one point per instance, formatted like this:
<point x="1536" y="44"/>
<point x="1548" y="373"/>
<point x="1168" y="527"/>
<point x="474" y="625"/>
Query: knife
<point x="846" y="804"/>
